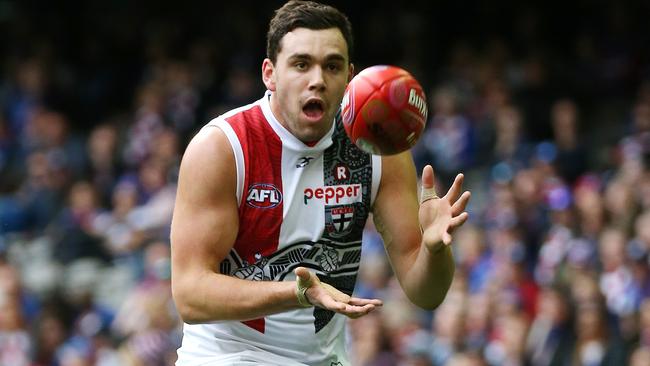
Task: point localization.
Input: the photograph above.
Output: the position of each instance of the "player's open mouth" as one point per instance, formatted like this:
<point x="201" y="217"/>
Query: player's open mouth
<point x="314" y="109"/>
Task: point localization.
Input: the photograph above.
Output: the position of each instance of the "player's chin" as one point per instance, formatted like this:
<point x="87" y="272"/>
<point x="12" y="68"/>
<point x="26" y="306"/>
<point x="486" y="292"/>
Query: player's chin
<point x="311" y="132"/>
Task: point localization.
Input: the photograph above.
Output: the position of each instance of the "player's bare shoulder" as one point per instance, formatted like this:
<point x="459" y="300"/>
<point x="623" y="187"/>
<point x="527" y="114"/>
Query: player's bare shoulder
<point x="208" y="163"/>
<point x="209" y="140"/>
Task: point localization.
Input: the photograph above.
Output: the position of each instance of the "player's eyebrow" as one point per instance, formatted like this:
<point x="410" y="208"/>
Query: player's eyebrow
<point x="335" y="57"/>
<point x="300" y="57"/>
<point x="308" y="57"/>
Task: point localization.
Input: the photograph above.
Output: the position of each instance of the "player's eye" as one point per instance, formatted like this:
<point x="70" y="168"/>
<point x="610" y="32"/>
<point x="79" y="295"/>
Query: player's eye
<point x="301" y="65"/>
<point x="334" y="67"/>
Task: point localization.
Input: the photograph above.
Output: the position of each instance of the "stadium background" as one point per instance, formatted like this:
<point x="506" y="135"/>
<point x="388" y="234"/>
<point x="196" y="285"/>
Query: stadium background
<point x="546" y="108"/>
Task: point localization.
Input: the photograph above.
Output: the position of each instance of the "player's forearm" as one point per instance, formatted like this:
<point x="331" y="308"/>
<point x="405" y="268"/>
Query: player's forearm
<point x="429" y="277"/>
<point x="213" y="297"/>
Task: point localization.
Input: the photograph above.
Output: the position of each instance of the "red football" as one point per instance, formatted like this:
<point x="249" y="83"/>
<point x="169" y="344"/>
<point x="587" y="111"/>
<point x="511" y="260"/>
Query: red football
<point x="384" y="110"/>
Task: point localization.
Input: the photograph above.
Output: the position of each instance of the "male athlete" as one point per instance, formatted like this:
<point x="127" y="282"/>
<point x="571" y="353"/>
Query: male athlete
<point x="272" y="201"/>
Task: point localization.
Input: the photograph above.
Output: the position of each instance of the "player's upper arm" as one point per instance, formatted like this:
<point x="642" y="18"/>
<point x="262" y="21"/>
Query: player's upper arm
<point x="205" y="221"/>
<point x="395" y="211"/>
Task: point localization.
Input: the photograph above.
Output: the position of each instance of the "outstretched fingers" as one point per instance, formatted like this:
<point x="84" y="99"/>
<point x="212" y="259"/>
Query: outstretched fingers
<point x="361" y="302"/>
<point x="350" y="310"/>
<point x="333" y="299"/>
<point x="454" y="190"/>
<point x="357" y="307"/>
<point x="354" y="312"/>
<point x="457" y="221"/>
<point x="459" y="206"/>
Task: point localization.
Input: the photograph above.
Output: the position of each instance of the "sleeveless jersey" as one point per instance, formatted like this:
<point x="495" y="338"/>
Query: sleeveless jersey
<point x="299" y="205"/>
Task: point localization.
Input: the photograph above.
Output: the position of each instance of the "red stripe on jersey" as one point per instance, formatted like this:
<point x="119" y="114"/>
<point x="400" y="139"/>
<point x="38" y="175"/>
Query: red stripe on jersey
<point x="260" y="211"/>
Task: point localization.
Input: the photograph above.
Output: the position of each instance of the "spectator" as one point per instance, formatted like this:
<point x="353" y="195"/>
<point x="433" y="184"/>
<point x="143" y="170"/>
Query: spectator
<point x="550" y="337"/>
<point x="72" y="229"/>
<point x="571" y="156"/>
<point x="595" y="343"/>
<point x="103" y="161"/>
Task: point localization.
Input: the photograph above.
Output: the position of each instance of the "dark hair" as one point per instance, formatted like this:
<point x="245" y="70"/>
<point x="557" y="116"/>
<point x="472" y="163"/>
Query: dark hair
<point x="305" y="14"/>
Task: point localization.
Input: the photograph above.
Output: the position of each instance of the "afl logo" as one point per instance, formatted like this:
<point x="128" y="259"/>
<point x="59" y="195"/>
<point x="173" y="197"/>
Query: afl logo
<point x="263" y="195"/>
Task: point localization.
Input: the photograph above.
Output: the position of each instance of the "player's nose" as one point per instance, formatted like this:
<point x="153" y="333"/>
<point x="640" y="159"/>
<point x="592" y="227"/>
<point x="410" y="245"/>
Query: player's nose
<point x="317" y="79"/>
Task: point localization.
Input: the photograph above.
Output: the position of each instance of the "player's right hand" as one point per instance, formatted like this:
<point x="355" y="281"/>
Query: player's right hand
<point x="328" y="297"/>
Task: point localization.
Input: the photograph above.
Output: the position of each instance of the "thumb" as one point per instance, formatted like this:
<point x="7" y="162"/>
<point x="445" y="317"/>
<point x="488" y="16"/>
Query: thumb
<point x="428" y="190"/>
<point x="427" y="177"/>
<point x="303" y="276"/>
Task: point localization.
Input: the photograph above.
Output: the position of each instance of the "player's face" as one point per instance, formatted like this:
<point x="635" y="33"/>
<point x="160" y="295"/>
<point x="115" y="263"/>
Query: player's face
<point x="308" y="80"/>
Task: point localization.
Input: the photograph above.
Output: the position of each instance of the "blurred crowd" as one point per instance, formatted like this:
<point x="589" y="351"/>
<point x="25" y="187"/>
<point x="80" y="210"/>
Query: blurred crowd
<point x="553" y="135"/>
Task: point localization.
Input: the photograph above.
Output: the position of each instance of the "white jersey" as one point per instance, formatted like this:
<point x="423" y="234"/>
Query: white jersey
<point x="299" y="205"/>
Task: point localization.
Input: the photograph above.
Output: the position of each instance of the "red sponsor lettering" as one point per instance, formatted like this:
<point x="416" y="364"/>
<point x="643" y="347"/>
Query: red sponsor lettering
<point x="334" y="194"/>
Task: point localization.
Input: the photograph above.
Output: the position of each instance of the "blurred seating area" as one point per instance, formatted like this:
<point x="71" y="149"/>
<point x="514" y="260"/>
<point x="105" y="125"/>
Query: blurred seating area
<point x="546" y="109"/>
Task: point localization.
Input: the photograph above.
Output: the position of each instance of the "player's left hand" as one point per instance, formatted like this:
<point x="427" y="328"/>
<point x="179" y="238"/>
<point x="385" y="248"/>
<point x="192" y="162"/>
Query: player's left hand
<point x="440" y="216"/>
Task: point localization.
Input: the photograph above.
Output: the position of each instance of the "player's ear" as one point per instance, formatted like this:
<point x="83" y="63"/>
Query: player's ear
<point x="268" y="74"/>
<point x="350" y="72"/>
